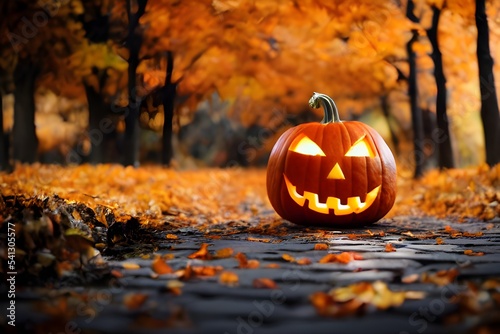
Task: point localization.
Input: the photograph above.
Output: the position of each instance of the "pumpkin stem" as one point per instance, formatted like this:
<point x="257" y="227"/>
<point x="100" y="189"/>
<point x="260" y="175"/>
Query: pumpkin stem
<point x="329" y="107"/>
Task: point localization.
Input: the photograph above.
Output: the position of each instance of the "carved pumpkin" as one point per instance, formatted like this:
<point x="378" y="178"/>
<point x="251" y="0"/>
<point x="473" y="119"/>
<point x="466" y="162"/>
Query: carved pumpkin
<point x="331" y="173"/>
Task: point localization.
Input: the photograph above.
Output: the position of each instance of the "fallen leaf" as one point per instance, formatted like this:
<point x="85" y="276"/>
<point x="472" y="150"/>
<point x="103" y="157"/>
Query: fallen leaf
<point x="412" y="278"/>
<point x="134" y="300"/>
<point x="352" y="299"/>
<point x="264" y="283"/>
<point x="470" y="252"/>
<point x="266" y="240"/>
<point x="116" y="273"/>
<point x="130" y="265"/>
<point x="389" y="247"/>
<point x="244" y="263"/>
<point x="171" y="236"/>
<point x="206" y="270"/>
<point x="228" y="278"/>
<point x="441" y="278"/>
<point x="253" y="264"/>
<point x="303" y="261"/>
<point x="160" y="267"/>
<point x="224" y="253"/>
<point x="409" y="234"/>
<point x="344" y="257"/>
<point x="321" y="247"/>
<point x="174" y="286"/>
<point x="473" y="235"/>
<point x="201" y="253"/>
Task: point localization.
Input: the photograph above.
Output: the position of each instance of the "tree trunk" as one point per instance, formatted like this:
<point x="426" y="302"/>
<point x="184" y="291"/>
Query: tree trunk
<point x="168" y="97"/>
<point x="25" y="142"/>
<point x="384" y="104"/>
<point x="416" y="114"/>
<point x="134" y="42"/>
<point x="443" y="138"/>
<point x="4" y="147"/>
<point x="97" y="111"/>
<point x="489" y="103"/>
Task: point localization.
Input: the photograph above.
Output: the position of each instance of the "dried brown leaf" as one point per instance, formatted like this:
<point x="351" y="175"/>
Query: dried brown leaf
<point x="321" y="247"/>
<point x="228" y="278"/>
<point x="264" y="283"/>
<point x="160" y="267"/>
<point x="134" y="300"/>
<point x="389" y="247"/>
<point x="201" y="254"/>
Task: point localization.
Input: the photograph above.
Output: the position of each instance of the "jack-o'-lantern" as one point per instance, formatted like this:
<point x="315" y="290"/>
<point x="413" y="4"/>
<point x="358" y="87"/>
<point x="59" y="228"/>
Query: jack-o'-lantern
<point x="331" y="173"/>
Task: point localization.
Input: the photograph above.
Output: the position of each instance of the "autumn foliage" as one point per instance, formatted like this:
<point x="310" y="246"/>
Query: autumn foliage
<point x="257" y="57"/>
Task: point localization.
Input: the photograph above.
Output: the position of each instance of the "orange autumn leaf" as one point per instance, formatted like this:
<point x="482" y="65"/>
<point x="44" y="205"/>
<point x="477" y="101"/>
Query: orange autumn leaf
<point x="224" y="253"/>
<point x="171" y="236"/>
<point x="206" y="270"/>
<point x="452" y="232"/>
<point x="409" y="234"/>
<point x="303" y="261"/>
<point x="288" y="258"/>
<point x="264" y="283"/>
<point x="389" y="248"/>
<point x="244" y="263"/>
<point x="253" y="264"/>
<point x="174" y="287"/>
<point x="134" y="300"/>
<point x="228" y="278"/>
<point x="130" y="266"/>
<point x="439" y="241"/>
<point x="160" y="267"/>
<point x="412" y="278"/>
<point x="116" y="273"/>
<point x="201" y="254"/>
<point x="242" y="259"/>
<point x="321" y="247"/>
<point x="344" y="257"/>
<point x="266" y="240"/>
<point x="470" y="252"/>
<point x="473" y="234"/>
<point x="352" y="299"/>
<point x="441" y="278"/>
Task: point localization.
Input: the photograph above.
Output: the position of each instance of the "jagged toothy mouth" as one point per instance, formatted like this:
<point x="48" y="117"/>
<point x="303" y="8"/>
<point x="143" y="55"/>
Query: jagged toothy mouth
<point x="354" y="204"/>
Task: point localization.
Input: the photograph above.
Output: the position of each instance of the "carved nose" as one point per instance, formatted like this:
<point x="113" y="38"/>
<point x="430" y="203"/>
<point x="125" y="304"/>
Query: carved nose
<point x="336" y="173"/>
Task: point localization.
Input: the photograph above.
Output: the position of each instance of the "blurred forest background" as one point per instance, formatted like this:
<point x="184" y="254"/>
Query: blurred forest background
<point x="215" y="82"/>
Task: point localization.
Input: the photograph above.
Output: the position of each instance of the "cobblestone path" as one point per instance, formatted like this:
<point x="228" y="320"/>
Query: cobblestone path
<point x="425" y="251"/>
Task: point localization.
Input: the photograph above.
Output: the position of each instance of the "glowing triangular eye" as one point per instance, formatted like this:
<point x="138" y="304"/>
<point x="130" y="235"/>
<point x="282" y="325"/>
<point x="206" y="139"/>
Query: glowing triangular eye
<point x="361" y="148"/>
<point x="304" y="145"/>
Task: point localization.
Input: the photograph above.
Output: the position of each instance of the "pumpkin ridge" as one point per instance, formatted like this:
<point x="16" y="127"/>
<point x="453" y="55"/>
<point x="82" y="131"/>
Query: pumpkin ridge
<point x="383" y="169"/>
<point x="285" y="152"/>
<point x="349" y="174"/>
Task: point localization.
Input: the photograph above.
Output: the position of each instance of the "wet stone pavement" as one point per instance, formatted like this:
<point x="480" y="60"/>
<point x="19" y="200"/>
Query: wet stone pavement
<point x="203" y="304"/>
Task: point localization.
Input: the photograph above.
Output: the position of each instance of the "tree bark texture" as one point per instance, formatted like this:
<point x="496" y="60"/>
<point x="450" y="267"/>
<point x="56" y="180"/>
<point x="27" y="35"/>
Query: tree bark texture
<point x="4" y="147"/>
<point x="168" y="97"/>
<point x="416" y="113"/>
<point x="489" y="103"/>
<point x="25" y="142"/>
<point x="98" y="110"/>
<point x="443" y="138"/>
<point x="134" y="42"/>
<point x="385" y="106"/>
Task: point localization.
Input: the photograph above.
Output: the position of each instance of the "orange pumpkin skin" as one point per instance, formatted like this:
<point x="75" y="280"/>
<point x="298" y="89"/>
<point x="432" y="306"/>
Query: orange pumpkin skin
<point x="303" y="188"/>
